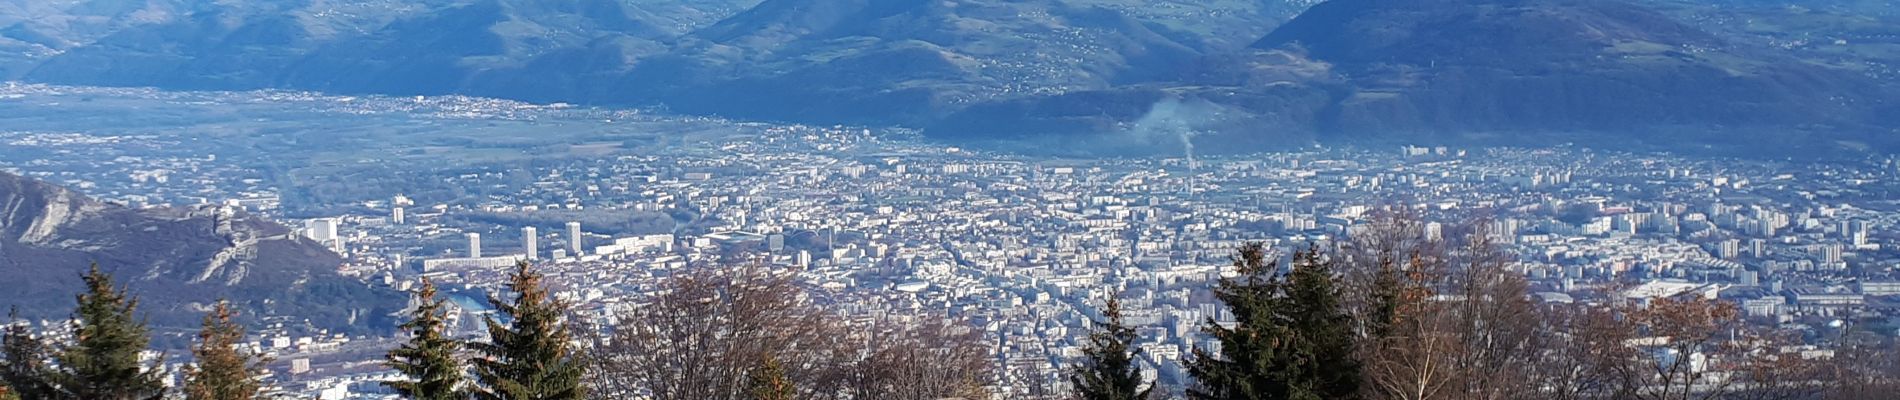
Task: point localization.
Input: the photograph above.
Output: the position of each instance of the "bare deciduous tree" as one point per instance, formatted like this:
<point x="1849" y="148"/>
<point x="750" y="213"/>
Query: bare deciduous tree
<point x="1864" y="370"/>
<point x="1683" y="334"/>
<point x="1770" y="365"/>
<point x="1451" y="318"/>
<point x="1493" y="319"/>
<point x="924" y="358"/>
<point x="1583" y="353"/>
<point x="1440" y="319"/>
<point x="705" y="333"/>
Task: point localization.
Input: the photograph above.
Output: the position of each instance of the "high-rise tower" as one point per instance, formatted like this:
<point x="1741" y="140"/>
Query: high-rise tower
<point x="574" y="238"/>
<point x="530" y="242"/>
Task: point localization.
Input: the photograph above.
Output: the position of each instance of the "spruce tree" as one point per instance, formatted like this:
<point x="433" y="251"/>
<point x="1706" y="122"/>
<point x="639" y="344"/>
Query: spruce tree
<point x="1107" y="370"/>
<point x="428" y="359"/>
<point x="1251" y="361"/>
<point x="768" y="381"/>
<point x="26" y="371"/>
<point x="103" y="362"/>
<point x="529" y="357"/>
<point x="222" y="372"/>
<point x="1323" y="331"/>
<point x="1386" y="297"/>
<point x="1291" y="340"/>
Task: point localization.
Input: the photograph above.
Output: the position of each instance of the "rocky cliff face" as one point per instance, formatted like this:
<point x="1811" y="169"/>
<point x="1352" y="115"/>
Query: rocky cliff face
<point x="34" y="219"/>
<point x="175" y="259"/>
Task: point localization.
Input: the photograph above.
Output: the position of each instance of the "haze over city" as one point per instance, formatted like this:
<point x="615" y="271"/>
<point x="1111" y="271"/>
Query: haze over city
<point x="968" y="199"/>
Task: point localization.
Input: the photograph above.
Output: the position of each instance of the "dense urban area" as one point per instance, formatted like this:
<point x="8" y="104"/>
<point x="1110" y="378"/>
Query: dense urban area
<point x="1025" y="248"/>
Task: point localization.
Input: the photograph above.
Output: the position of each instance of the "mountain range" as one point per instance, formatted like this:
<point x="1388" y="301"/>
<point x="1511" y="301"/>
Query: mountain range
<point x="1096" y="75"/>
<point x="178" y="260"/>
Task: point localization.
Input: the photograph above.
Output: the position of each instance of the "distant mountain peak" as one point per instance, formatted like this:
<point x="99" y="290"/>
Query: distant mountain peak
<point x="1520" y="72"/>
<point x="1487" y="32"/>
<point x="1358" y="69"/>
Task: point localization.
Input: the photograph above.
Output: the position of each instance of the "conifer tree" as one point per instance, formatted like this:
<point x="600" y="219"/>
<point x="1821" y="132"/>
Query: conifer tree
<point x="768" y="381"/>
<point x="1323" y="331"/>
<point x="103" y="362"/>
<point x="222" y="372"/>
<point x="530" y="357"/>
<point x="1291" y="340"/>
<point x="1250" y="360"/>
<point x="26" y="371"/>
<point x="1386" y="298"/>
<point x="428" y="359"/>
<point x="1107" y="370"/>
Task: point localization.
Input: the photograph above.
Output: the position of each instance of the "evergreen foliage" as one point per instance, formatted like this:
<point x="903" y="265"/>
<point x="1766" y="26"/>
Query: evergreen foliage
<point x="1291" y="339"/>
<point x="25" y="371"/>
<point x="531" y="356"/>
<point x="768" y="381"/>
<point x="429" y="358"/>
<point x="103" y="361"/>
<point x="1107" y="370"/>
<point x="222" y="372"/>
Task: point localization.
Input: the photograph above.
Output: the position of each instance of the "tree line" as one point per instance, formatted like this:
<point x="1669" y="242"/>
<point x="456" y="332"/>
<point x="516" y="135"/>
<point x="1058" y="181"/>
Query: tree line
<point x="1390" y="313"/>
<point x="737" y="332"/>
<point x="106" y="358"/>
<point x="744" y="332"/>
<point x="1395" y="314"/>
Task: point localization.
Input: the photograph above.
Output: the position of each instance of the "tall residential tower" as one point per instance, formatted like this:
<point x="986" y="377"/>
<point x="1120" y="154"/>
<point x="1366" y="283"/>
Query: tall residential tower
<point x="574" y="238"/>
<point x="530" y="242"/>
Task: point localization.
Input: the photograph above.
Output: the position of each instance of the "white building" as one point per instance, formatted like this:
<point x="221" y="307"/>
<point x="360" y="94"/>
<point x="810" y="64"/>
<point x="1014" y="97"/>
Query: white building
<point x="321" y="229"/>
<point x="530" y="242"/>
<point x="574" y="238"/>
<point x="474" y="245"/>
